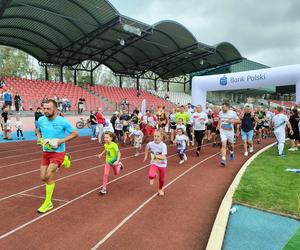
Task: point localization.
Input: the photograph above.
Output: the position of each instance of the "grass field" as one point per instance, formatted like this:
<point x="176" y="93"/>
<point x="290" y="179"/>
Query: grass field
<point x="266" y="184"/>
<point x="294" y="242"/>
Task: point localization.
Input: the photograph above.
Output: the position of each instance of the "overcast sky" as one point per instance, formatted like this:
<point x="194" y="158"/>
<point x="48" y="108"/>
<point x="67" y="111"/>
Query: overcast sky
<point x="266" y="31"/>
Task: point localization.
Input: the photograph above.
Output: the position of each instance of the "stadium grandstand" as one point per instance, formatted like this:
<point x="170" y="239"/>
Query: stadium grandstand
<point x="53" y="33"/>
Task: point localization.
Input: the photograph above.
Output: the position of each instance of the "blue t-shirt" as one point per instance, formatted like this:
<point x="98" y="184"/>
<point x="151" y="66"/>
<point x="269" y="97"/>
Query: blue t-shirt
<point x="7" y="97"/>
<point x="57" y="128"/>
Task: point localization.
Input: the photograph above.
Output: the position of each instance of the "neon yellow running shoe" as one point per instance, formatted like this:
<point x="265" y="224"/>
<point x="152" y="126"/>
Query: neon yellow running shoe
<point x="45" y="207"/>
<point x="67" y="161"/>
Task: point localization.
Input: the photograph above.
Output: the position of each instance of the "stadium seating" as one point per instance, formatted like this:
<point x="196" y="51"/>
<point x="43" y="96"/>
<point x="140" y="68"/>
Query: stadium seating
<point x="33" y="91"/>
<point x="116" y="95"/>
<point x="283" y="103"/>
<point x="175" y="97"/>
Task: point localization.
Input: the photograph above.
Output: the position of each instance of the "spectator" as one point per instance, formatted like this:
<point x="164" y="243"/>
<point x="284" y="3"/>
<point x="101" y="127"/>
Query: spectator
<point x="93" y="120"/>
<point x="100" y="123"/>
<point x="65" y="104"/>
<point x="4" y="119"/>
<point x="167" y="97"/>
<point x="113" y="119"/>
<point x="81" y="105"/>
<point x="37" y="115"/>
<point x="138" y="94"/>
<point x="19" y="127"/>
<point x="17" y="100"/>
<point x="7" y="100"/>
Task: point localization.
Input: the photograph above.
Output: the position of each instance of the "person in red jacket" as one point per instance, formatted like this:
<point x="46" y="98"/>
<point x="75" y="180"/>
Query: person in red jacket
<point x="100" y="122"/>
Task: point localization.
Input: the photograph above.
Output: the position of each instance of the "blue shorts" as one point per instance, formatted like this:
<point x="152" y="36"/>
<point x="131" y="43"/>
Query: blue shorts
<point x="247" y="136"/>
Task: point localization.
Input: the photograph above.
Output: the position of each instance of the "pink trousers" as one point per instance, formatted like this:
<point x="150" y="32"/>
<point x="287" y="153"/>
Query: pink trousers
<point x="162" y="174"/>
<point x="107" y="168"/>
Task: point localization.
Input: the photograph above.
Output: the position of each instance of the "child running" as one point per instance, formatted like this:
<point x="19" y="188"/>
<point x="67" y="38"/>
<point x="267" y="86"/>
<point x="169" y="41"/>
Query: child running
<point x="158" y="150"/>
<point x="181" y="140"/>
<point x="113" y="156"/>
<point x="137" y="135"/>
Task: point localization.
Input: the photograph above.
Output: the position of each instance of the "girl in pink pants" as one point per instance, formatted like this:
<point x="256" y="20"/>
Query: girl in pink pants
<point x="158" y="150"/>
<point x="113" y="156"/>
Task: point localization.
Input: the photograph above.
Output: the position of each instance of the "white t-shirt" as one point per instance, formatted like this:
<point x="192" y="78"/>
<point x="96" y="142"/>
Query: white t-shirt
<point x="157" y="149"/>
<point x="137" y="134"/>
<point x="181" y="126"/>
<point x="19" y="125"/>
<point x="280" y="121"/>
<point x="269" y="117"/>
<point x="225" y="120"/>
<point x="199" y="120"/>
<point x="118" y="125"/>
<point x="181" y="141"/>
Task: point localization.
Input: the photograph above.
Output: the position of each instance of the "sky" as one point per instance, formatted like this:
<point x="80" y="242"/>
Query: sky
<point x="266" y="31"/>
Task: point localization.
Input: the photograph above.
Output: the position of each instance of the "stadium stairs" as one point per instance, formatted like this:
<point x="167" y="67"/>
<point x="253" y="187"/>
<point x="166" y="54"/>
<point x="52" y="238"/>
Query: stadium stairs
<point x="174" y="97"/>
<point x="114" y="96"/>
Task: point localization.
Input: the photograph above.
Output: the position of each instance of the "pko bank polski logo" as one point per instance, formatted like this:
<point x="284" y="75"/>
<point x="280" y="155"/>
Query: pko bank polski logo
<point x="223" y="81"/>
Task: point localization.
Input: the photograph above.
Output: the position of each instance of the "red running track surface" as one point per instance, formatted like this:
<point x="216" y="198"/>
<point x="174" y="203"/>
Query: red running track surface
<point x="130" y="216"/>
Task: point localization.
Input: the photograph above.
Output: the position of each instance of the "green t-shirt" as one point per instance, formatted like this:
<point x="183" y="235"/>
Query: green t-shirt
<point x="111" y="151"/>
<point x="184" y="116"/>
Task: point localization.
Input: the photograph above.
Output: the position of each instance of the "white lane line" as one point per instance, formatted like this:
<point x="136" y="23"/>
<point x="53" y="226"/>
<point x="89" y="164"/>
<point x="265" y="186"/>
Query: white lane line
<point x="32" y="171"/>
<point x="34" y="147"/>
<point x="43" y="197"/>
<point x="75" y="199"/>
<point x="40" y="152"/>
<point x="146" y="202"/>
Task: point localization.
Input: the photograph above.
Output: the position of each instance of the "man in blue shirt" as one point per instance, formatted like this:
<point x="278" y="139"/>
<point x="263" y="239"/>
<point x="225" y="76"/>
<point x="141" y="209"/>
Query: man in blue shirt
<point x="7" y="100"/>
<point x="55" y="131"/>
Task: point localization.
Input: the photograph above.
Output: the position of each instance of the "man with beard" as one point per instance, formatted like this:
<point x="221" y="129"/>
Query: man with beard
<point x="53" y="132"/>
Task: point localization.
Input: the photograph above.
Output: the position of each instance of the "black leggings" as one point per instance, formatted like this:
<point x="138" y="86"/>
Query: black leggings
<point x="189" y="131"/>
<point x="19" y="131"/>
<point x="199" y="134"/>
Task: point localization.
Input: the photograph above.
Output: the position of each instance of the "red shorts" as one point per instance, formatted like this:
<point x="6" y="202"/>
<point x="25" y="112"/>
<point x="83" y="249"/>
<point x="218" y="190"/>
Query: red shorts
<point x="53" y="157"/>
<point x="148" y="130"/>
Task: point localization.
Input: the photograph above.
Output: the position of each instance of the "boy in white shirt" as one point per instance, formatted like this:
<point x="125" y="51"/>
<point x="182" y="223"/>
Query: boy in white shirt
<point x="137" y="135"/>
<point x="181" y="140"/>
<point x="19" y="127"/>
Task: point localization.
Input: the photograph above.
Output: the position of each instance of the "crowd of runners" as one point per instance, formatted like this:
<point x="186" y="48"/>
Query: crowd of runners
<point x="182" y="127"/>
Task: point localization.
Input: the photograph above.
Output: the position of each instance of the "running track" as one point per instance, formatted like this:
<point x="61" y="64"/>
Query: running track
<point x="131" y="216"/>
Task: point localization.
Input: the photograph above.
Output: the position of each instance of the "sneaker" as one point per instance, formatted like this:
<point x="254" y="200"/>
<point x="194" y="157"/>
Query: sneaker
<point x="136" y="154"/>
<point x="246" y="153"/>
<point x="198" y="153"/>
<point x="103" y="191"/>
<point x="121" y="165"/>
<point x="193" y="143"/>
<point x="18" y="138"/>
<point x="292" y="149"/>
<point x="23" y="138"/>
<point x="258" y="142"/>
<point x="231" y="156"/>
<point x="181" y="162"/>
<point x="185" y="157"/>
<point x="45" y="207"/>
<point x="250" y="149"/>
<point x="223" y="162"/>
<point x="161" y="193"/>
<point x="282" y="155"/>
<point x="214" y="144"/>
<point x="151" y="181"/>
<point x="67" y="161"/>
